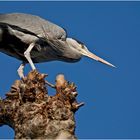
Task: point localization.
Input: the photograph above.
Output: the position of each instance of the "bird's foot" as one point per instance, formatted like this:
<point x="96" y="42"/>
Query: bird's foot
<point x="20" y="70"/>
<point x="49" y="84"/>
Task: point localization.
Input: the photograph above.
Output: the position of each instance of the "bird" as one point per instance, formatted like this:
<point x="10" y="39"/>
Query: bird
<point x="32" y="39"/>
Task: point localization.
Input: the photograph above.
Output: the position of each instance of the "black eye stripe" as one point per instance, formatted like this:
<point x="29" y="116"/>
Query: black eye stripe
<point x="79" y="42"/>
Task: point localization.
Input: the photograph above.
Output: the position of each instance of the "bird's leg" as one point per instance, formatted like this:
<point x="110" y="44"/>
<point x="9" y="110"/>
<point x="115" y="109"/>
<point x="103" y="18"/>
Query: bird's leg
<point x="28" y="56"/>
<point x="49" y="84"/>
<point x="20" y="70"/>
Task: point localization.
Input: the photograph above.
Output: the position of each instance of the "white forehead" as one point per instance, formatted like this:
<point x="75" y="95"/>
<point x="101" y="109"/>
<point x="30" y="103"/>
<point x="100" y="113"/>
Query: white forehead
<point x="72" y="42"/>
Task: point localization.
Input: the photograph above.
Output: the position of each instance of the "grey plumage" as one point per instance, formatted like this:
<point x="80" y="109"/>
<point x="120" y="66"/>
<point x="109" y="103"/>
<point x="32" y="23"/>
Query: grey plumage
<point x="33" y="24"/>
<point x="33" y="39"/>
<point x="25" y="29"/>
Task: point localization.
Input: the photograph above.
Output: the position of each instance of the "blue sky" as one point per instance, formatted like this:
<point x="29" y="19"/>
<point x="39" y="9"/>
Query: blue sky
<point x="111" y="96"/>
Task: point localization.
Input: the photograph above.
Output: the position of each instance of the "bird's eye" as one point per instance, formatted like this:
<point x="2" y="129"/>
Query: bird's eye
<point x="82" y="46"/>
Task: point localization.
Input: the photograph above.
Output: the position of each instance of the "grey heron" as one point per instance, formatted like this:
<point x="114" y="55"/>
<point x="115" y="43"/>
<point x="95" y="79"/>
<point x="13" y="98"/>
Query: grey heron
<point x="32" y="39"/>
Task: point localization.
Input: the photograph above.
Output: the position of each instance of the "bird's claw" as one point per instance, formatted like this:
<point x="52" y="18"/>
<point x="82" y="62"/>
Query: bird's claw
<point x="49" y="84"/>
<point x="20" y="70"/>
<point x="80" y="104"/>
<point x="74" y="94"/>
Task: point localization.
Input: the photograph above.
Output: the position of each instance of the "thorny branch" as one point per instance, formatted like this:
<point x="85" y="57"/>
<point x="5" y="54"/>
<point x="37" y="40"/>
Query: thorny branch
<point x="33" y="114"/>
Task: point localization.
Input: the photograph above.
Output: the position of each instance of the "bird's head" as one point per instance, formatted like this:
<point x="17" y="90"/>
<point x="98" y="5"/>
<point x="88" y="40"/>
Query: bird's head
<point x="79" y="47"/>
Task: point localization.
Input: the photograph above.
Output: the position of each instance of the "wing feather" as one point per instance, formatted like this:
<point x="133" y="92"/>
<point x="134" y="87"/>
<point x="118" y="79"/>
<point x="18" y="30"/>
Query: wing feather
<point x="33" y="24"/>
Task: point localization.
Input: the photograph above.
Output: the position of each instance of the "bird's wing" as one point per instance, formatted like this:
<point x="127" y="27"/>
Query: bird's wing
<point x="33" y="24"/>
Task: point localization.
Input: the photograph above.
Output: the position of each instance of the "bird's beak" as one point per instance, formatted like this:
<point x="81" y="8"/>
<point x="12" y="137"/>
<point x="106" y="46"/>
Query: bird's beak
<point x="95" y="57"/>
